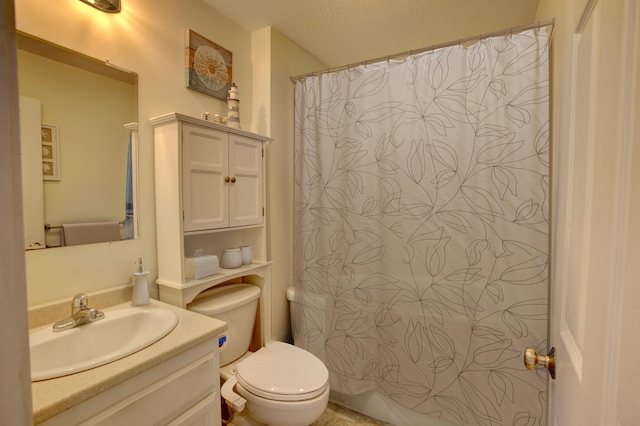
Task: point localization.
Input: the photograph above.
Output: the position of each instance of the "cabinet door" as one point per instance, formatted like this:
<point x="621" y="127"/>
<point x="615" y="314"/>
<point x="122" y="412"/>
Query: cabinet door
<point x="205" y="413"/>
<point x="245" y="187"/>
<point x="204" y="170"/>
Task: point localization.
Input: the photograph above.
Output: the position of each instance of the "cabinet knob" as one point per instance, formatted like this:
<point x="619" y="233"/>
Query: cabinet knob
<point x="227" y="179"/>
<point x="233" y="180"/>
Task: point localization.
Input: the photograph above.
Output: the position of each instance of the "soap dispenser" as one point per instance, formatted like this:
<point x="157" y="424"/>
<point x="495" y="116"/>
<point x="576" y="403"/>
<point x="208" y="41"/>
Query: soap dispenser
<point x="140" y="286"/>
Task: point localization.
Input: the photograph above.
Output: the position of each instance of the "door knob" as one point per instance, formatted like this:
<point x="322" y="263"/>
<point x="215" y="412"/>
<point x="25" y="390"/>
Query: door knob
<point x="233" y="180"/>
<point x="532" y="360"/>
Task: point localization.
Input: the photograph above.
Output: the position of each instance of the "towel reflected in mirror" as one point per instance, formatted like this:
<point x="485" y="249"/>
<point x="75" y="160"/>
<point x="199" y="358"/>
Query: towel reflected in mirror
<point x="88" y="233"/>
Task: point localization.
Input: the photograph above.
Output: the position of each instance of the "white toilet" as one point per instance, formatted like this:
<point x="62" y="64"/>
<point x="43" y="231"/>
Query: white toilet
<point x="280" y="384"/>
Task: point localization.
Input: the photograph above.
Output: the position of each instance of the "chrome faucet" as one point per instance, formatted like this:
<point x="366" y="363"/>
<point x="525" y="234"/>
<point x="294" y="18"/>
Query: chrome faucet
<point x="80" y="314"/>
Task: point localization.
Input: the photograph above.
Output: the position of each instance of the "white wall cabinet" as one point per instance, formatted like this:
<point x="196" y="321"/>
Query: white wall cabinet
<point x="210" y="196"/>
<point x="221" y="179"/>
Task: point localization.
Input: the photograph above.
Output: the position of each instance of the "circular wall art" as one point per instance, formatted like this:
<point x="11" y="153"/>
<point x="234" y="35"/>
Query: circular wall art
<point x="210" y="67"/>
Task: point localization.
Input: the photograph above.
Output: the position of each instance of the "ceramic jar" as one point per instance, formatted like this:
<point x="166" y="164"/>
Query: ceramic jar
<point x="231" y="258"/>
<point x="246" y="255"/>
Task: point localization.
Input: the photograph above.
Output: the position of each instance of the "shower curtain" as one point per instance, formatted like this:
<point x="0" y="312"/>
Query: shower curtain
<point x="421" y="228"/>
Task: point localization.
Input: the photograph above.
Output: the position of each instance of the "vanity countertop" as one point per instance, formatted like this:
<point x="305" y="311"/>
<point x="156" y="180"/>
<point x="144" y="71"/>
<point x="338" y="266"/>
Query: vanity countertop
<point x="53" y="396"/>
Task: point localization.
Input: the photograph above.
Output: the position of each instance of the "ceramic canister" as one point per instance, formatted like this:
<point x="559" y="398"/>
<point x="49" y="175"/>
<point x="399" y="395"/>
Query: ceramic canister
<point x="246" y="255"/>
<point x="231" y="258"/>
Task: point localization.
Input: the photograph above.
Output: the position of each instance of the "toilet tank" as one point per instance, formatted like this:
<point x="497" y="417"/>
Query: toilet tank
<point x="237" y="305"/>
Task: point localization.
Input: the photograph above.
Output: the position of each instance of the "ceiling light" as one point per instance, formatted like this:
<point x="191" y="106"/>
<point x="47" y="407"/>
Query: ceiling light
<point x="111" y="6"/>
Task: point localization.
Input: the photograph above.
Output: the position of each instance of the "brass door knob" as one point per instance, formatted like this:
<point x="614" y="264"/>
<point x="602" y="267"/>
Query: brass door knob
<point x="532" y="360"/>
<point x="233" y="180"/>
<point x="227" y="179"/>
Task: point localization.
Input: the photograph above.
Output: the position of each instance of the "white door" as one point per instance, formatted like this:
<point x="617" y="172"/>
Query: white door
<point x="595" y="322"/>
<point x="32" y="185"/>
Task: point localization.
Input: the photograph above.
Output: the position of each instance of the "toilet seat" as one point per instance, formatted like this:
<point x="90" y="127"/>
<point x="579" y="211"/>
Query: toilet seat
<point x="283" y="372"/>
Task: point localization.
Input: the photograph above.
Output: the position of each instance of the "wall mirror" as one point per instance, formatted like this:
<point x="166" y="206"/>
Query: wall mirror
<point x="78" y="125"/>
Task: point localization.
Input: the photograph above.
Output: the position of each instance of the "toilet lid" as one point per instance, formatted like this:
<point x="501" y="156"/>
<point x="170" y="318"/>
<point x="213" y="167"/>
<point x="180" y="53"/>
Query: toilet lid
<point x="283" y="372"/>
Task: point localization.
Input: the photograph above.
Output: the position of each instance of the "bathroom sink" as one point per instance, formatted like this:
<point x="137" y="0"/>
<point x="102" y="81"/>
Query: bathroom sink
<point x="122" y="332"/>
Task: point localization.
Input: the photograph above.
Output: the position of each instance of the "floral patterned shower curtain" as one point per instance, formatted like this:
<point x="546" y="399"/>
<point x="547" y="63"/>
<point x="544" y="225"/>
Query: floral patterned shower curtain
<point x="421" y="228"/>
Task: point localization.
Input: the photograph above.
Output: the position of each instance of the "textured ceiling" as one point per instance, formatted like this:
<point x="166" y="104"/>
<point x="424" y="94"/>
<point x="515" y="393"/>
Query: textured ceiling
<point x="340" y="32"/>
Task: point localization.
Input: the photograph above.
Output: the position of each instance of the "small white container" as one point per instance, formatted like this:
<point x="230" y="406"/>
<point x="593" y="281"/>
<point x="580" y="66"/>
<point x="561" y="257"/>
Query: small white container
<point x="201" y="266"/>
<point x="231" y="258"/>
<point x="246" y="255"/>
<point x="140" y="289"/>
<point x="140" y="286"/>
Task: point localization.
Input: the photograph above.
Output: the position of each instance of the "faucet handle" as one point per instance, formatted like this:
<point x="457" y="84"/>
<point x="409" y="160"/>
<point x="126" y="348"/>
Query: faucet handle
<point x="95" y="315"/>
<point x="80" y="302"/>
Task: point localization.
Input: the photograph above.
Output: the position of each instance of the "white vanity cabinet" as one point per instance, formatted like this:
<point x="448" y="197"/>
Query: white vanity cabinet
<point x="174" y="381"/>
<point x="181" y="391"/>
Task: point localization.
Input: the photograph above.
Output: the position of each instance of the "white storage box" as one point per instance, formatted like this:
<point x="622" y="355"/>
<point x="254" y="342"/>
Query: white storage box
<point x="201" y="266"/>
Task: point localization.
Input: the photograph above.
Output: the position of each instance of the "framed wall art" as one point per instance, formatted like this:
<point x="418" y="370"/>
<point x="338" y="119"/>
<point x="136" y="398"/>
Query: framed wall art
<point x="50" y="152"/>
<point x="209" y="66"/>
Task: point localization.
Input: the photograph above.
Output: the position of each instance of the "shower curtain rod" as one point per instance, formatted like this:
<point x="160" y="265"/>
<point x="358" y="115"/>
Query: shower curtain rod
<point x="403" y="55"/>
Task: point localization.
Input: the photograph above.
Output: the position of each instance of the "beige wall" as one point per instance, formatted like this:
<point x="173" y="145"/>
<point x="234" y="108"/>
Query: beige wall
<point x="277" y="59"/>
<point x="149" y="38"/>
<point x="286" y="60"/>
